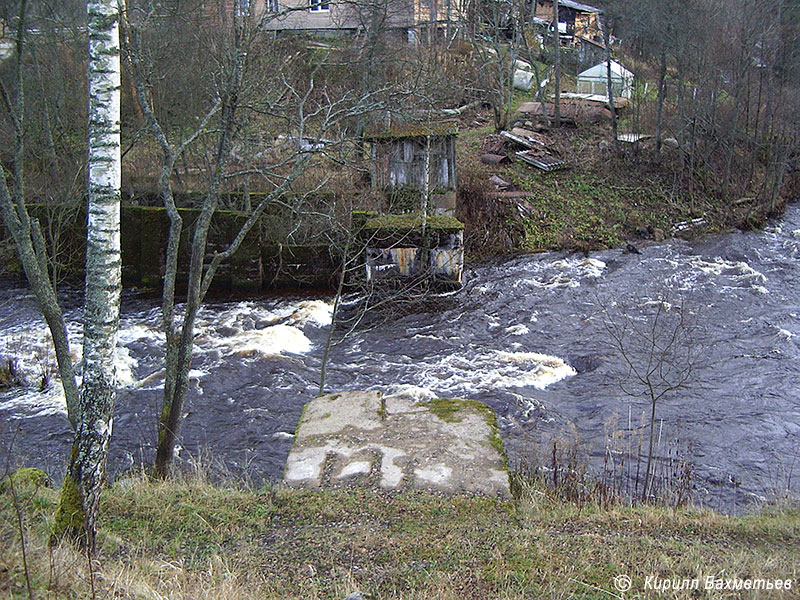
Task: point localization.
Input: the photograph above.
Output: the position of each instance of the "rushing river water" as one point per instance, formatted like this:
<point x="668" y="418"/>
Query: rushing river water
<point x="525" y="335"/>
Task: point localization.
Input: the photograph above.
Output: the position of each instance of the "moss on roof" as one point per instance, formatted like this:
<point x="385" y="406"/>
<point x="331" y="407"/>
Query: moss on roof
<point x="406" y="130"/>
<point x="409" y="221"/>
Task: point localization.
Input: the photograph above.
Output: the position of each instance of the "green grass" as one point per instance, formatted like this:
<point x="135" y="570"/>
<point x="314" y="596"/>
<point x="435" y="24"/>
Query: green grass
<point x="598" y="201"/>
<point x="413" y="220"/>
<point x="190" y="539"/>
<point x="585" y="210"/>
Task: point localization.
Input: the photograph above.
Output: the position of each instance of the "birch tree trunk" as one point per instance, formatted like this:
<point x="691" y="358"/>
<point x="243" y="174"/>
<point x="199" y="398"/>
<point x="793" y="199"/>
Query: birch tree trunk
<point x="76" y="515"/>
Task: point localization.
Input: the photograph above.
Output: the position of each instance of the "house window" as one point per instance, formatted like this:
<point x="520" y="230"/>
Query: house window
<point x="319" y="5"/>
<point x="273" y="6"/>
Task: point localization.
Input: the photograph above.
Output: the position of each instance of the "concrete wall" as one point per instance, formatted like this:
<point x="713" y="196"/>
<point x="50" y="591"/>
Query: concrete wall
<point x="398" y="252"/>
<point x="253" y="267"/>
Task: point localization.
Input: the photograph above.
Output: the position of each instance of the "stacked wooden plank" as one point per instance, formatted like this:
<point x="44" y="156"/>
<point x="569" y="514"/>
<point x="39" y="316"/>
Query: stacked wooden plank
<point x="537" y="151"/>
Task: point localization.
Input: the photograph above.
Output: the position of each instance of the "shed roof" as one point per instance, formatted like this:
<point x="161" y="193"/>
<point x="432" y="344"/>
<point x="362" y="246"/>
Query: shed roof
<point x="415" y="129"/>
<point x="599" y="71"/>
<point x="413" y="220"/>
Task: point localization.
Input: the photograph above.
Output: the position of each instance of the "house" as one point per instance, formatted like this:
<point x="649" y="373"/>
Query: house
<point x="413" y="18"/>
<point x="578" y="24"/>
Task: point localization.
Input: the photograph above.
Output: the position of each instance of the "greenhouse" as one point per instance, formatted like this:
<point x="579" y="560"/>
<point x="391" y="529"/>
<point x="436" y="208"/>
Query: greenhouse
<point x="594" y="80"/>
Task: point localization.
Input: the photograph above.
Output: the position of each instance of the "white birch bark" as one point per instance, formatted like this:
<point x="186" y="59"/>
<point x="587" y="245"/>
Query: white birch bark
<point x="80" y="494"/>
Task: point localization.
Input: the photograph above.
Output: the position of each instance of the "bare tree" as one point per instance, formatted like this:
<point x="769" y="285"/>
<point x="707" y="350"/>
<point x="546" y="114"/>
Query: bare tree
<point x="556" y="66"/>
<point x="27" y="232"/>
<point x="610" y="83"/>
<point x="249" y="90"/>
<point x="659" y="352"/>
<point x="495" y="59"/>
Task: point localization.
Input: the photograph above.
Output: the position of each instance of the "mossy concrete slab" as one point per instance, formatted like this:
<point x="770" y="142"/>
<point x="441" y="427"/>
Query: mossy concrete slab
<point x="445" y="445"/>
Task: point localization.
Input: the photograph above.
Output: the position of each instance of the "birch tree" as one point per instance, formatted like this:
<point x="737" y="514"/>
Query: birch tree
<point x="76" y="516"/>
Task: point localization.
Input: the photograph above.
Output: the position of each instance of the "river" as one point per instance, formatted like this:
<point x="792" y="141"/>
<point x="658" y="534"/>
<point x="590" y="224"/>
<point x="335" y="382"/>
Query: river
<point x="525" y="335"/>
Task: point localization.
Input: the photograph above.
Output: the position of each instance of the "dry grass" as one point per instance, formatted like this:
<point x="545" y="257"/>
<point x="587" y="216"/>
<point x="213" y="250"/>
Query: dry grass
<point x="190" y="539"/>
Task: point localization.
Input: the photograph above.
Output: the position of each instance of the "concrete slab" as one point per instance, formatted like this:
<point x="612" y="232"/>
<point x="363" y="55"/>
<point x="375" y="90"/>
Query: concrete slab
<point x="400" y="441"/>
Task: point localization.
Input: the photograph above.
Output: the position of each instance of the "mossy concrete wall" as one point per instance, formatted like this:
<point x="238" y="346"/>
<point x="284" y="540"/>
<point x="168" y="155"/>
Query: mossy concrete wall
<point x="145" y="230"/>
<point x="399" y="249"/>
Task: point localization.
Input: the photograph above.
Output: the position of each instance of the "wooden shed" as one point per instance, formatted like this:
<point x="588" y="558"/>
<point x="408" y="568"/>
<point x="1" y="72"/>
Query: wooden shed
<point x="419" y="156"/>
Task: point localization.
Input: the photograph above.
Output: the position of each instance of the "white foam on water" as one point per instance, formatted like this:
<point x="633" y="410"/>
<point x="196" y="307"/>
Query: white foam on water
<point x="277" y="339"/>
<point x="125" y="364"/>
<point x="135" y="332"/>
<point x="415" y="393"/>
<point x="529" y="406"/>
<point x="30" y="348"/>
<point x="556" y="281"/>
<point x="717" y="271"/>
<point x="38" y="403"/>
<point x="494" y="369"/>
<point x="587" y="267"/>
<point x="312" y="311"/>
<point x="570" y="272"/>
<point x="540" y="370"/>
<point x="518" y="329"/>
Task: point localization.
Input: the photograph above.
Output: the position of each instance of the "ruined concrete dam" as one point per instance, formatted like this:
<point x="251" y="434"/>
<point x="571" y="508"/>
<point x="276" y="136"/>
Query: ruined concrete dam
<point x="525" y="336"/>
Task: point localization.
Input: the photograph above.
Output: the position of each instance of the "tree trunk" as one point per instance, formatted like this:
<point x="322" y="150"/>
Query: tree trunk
<point x="557" y="66"/>
<point x="180" y="347"/>
<point x="76" y="515"/>
<point x="662" y="76"/>
<point x="649" y="469"/>
<point x="609" y="87"/>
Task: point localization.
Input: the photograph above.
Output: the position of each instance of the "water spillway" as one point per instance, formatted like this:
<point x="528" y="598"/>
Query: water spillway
<point x="525" y="336"/>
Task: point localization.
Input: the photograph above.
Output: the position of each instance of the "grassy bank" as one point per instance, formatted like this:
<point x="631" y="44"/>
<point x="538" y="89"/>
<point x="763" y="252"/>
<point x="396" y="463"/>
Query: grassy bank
<point x="190" y="539"/>
<point x="599" y="200"/>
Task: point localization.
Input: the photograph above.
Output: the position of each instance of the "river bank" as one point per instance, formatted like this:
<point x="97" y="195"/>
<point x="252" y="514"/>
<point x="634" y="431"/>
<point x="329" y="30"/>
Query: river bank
<point x="599" y="200"/>
<point x="187" y="538"/>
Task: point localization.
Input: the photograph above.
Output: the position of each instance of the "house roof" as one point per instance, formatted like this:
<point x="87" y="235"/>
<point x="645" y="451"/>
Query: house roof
<point x="599" y="71"/>
<point x="579" y="6"/>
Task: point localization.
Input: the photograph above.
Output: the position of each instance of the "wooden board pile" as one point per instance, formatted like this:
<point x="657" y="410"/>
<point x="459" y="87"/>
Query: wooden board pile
<point x="537" y="149"/>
